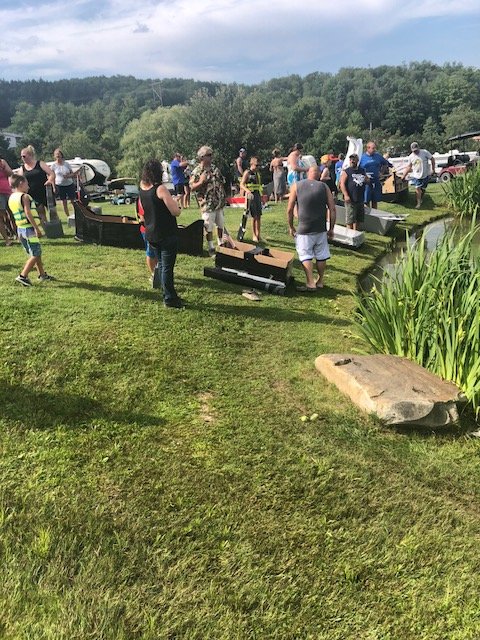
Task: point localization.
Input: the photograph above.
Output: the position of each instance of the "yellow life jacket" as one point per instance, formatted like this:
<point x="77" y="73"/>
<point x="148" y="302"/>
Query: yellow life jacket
<point x="16" y="207"/>
<point x="257" y="185"/>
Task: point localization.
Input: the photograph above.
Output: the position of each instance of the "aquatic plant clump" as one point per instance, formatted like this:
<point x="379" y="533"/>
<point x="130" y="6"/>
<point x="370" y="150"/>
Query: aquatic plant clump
<point x="463" y="193"/>
<point x="428" y="309"/>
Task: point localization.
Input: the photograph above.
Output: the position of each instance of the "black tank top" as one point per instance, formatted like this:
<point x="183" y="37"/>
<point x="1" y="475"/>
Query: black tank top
<point x="312" y="206"/>
<point x="356" y="183"/>
<point x="36" y="179"/>
<point x="159" y="222"/>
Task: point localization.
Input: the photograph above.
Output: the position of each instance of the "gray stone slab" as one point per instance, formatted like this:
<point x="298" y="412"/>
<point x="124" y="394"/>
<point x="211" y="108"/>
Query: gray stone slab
<point x="398" y="391"/>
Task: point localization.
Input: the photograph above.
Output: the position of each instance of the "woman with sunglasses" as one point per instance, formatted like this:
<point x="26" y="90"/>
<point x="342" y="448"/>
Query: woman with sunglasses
<point x="38" y="175"/>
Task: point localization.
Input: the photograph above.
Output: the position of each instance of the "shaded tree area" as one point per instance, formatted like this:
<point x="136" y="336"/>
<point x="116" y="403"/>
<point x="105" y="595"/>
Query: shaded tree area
<point x="121" y="120"/>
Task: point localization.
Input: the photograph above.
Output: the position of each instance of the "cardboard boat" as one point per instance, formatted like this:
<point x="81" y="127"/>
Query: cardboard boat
<point x="258" y="261"/>
<point x="376" y="220"/>
<point x="124" y="231"/>
<point x="345" y="237"/>
<point x="249" y="265"/>
<point x="394" y="189"/>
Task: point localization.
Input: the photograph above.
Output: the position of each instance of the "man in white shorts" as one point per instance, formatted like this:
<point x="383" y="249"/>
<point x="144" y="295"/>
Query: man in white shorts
<point x="209" y="184"/>
<point x="312" y="198"/>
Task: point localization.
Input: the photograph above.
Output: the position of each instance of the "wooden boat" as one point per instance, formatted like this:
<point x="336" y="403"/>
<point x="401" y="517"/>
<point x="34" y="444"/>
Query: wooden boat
<point x="376" y="220"/>
<point x="124" y="231"/>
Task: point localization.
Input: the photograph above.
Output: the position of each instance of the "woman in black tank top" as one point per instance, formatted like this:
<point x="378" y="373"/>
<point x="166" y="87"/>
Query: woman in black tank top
<point x="37" y="173"/>
<point x="160" y="213"/>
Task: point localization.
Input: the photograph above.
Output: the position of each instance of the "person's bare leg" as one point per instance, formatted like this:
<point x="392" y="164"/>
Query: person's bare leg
<point x="321" y="265"/>
<point x="3" y="231"/>
<point x="30" y="264"/>
<point x="418" y="196"/>
<point x="219" y="234"/>
<point x="151" y="264"/>
<point x="256" y="229"/>
<point x="39" y="267"/>
<point x="65" y="208"/>
<point x="42" y="214"/>
<point x="308" y="268"/>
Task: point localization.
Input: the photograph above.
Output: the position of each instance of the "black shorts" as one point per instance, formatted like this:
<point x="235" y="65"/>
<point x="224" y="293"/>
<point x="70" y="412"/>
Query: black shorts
<point x="255" y="205"/>
<point x="66" y="192"/>
<point x="39" y="196"/>
<point x="179" y="189"/>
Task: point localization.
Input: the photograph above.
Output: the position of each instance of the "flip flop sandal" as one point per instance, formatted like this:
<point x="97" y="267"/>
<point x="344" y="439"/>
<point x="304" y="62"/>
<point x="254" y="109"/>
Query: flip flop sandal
<point x="305" y="289"/>
<point x="251" y="294"/>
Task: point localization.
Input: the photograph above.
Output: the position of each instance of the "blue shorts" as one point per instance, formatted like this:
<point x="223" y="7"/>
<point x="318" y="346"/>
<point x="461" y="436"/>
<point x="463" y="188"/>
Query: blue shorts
<point x="373" y="192"/>
<point x="420" y="183"/>
<point x="295" y="176"/>
<point x="30" y="242"/>
<point x="150" y="251"/>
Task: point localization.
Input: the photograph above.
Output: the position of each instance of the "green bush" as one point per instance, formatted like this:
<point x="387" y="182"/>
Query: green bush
<point x="427" y="309"/>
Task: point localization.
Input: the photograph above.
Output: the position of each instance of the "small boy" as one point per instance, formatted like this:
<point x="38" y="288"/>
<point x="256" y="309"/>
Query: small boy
<point x="21" y="205"/>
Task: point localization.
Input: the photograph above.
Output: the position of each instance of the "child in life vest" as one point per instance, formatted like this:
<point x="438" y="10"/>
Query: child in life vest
<point x="22" y="207"/>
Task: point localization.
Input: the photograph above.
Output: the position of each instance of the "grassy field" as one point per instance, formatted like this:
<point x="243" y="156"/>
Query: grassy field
<point x="156" y="481"/>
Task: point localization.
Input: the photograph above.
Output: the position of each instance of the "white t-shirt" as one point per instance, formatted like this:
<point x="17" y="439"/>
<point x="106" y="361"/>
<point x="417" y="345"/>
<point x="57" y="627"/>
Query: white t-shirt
<point x="61" y="170"/>
<point x="420" y="164"/>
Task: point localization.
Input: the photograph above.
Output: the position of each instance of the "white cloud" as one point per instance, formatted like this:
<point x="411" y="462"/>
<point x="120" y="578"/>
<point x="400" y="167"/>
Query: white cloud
<point x="212" y="39"/>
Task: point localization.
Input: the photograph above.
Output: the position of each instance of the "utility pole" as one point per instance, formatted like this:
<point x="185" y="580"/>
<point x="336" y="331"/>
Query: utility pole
<point x="157" y="94"/>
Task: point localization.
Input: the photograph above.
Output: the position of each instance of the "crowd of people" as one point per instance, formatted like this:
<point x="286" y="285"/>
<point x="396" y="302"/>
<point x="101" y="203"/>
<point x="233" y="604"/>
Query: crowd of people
<point x="311" y="190"/>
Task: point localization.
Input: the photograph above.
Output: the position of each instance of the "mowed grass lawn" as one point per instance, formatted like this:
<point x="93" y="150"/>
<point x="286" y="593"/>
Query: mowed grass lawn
<point x="156" y="481"/>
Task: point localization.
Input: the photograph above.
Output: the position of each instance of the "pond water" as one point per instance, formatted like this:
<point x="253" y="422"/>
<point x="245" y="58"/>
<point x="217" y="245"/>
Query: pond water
<point x="433" y="232"/>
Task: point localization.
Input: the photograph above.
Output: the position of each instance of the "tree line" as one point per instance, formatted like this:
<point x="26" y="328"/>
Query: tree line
<point x="124" y="120"/>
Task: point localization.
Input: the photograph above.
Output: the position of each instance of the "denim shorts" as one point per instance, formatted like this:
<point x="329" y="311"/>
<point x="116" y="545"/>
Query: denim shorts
<point x="30" y="243"/>
<point x="150" y="251"/>
<point x="420" y="183"/>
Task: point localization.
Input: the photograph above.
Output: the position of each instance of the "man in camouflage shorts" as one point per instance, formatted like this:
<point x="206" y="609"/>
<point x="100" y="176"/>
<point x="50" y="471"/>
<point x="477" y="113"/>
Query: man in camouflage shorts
<point x="208" y="183"/>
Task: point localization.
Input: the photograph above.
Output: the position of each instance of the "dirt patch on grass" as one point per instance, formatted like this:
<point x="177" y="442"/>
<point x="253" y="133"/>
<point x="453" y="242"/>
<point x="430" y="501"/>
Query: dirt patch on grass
<point x="207" y="412"/>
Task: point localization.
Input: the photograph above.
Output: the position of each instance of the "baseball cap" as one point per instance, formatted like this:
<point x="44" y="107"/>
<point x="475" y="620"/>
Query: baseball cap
<point x="414" y="146"/>
<point x="242" y="150"/>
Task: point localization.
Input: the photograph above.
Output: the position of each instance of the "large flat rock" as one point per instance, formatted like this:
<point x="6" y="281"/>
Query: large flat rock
<point x="398" y="391"/>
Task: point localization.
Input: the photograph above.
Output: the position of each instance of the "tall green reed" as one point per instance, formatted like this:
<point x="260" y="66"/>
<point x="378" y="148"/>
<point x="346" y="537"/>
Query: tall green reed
<point x="428" y="309"/>
<point x="463" y="193"/>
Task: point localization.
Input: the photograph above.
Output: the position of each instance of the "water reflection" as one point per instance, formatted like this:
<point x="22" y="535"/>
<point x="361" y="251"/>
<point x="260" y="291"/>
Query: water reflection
<point x="433" y="232"/>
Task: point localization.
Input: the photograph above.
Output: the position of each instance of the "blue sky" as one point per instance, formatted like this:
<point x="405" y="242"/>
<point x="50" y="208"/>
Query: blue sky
<point x="230" y="40"/>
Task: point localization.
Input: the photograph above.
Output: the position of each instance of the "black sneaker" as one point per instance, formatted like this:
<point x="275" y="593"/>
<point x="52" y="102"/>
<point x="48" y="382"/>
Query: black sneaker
<point x="175" y="304"/>
<point x="25" y="282"/>
<point x="46" y="278"/>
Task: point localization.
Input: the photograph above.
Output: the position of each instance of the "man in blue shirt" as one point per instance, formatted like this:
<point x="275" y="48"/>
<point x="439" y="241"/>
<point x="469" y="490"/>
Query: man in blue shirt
<point x="372" y="162"/>
<point x="177" y="169"/>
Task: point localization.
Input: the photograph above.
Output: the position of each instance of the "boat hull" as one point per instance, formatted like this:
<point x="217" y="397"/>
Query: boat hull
<point x="376" y="220"/>
<point x="124" y="232"/>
